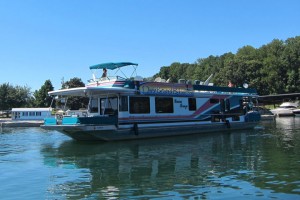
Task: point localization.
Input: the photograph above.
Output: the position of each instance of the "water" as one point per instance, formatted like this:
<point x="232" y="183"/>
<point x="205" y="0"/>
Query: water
<point x="255" y="164"/>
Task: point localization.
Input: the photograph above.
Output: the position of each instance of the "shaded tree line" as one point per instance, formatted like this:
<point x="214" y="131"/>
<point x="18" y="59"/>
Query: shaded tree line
<point x="17" y="96"/>
<point x="271" y="69"/>
<point x="14" y="96"/>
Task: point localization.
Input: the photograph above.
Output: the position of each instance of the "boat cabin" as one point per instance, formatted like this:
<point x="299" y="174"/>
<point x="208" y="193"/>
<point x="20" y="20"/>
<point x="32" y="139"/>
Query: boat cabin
<point x="30" y="113"/>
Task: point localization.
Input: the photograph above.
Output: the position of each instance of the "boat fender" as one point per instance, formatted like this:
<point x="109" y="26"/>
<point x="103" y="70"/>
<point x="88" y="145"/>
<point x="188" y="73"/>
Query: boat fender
<point x="135" y="128"/>
<point x="227" y="123"/>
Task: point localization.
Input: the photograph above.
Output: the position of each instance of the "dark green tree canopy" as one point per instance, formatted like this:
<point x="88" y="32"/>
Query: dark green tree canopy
<point x="14" y="96"/>
<point x="72" y="83"/>
<point x="271" y="69"/>
<point x="42" y="99"/>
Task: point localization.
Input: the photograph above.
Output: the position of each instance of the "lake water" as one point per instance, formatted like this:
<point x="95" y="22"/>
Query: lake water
<point x="254" y="164"/>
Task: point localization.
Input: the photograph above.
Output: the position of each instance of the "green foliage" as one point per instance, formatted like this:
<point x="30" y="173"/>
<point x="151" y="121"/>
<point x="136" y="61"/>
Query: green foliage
<point x="72" y="83"/>
<point x="271" y="69"/>
<point x="75" y="103"/>
<point x="42" y="99"/>
<point x="14" y="96"/>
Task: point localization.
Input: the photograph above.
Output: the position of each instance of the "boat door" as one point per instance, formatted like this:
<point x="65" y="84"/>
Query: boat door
<point x="109" y="105"/>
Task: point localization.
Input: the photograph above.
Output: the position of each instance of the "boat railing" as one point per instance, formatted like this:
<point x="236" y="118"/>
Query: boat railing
<point x="107" y="79"/>
<point x="91" y="119"/>
<point x="218" y="89"/>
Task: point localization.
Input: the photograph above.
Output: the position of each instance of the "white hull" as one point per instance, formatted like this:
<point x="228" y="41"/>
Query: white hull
<point x="112" y="133"/>
<point x="282" y="112"/>
<point x="285" y="109"/>
<point x="296" y="112"/>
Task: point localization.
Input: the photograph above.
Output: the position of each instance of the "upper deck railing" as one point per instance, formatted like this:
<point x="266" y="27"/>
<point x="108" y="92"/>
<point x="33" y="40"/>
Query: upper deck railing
<point x="225" y="89"/>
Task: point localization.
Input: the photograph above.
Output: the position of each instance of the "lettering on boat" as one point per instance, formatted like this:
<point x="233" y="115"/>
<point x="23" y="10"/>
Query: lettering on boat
<point x="167" y="90"/>
<point x="181" y="104"/>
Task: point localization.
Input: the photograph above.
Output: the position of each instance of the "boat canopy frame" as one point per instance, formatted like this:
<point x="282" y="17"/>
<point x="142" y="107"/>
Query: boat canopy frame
<point x="113" y="66"/>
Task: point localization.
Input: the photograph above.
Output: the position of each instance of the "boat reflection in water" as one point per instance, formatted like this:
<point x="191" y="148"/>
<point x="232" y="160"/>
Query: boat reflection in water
<point x="208" y="166"/>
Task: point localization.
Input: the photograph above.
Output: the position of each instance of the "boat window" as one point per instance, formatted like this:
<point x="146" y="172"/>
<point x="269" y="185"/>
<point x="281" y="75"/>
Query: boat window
<point x="164" y="105"/>
<point x="139" y="105"/>
<point x="192" y="104"/>
<point x="222" y="105"/>
<point x="214" y="101"/>
<point x="94" y="105"/>
<point x="109" y="105"/>
<point x="123" y="103"/>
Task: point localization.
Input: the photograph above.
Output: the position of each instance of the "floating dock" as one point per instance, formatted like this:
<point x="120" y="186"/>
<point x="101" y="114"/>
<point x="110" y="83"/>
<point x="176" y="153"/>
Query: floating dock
<point x="20" y="123"/>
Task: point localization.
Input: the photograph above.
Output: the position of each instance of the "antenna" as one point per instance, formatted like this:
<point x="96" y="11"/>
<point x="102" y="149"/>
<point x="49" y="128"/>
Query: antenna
<point x="208" y="79"/>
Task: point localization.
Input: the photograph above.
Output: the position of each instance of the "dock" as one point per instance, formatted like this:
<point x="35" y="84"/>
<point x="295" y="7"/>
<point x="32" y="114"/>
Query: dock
<point x="5" y="122"/>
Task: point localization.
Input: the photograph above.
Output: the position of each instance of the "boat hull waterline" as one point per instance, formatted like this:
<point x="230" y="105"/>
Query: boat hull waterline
<point x="112" y="133"/>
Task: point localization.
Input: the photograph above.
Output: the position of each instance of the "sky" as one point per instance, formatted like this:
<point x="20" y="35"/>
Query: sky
<point x="60" y="39"/>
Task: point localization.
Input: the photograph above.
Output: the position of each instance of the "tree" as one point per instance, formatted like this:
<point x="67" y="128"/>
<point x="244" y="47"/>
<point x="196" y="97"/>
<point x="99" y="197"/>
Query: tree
<point x="42" y="99"/>
<point x="13" y="97"/>
<point x="163" y="73"/>
<point x="4" y="93"/>
<point x="271" y="69"/>
<point x="291" y="57"/>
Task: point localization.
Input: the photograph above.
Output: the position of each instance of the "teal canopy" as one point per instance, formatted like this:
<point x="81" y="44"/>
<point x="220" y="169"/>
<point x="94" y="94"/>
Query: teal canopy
<point x="112" y="65"/>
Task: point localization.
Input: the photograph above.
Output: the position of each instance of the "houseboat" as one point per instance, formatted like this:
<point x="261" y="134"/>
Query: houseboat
<point x="30" y="113"/>
<point x="125" y="108"/>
